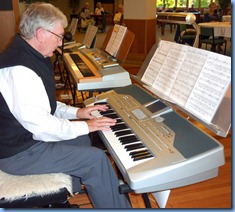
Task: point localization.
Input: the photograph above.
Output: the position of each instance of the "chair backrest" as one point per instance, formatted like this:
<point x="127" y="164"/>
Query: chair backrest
<point x="169" y="10"/>
<point x="121" y="20"/>
<point x="104" y="18"/>
<point x="179" y="11"/>
<point x="207" y="31"/>
<point x="183" y="27"/>
<point x="103" y="24"/>
<point x="187" y="29"/>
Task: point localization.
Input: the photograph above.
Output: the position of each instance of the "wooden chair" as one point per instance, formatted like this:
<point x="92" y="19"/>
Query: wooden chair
<point x="207" y="37"/>
<point x="187" y="35"/>
<point x="162" y="24"/>
<point x="79" y="26"/>
<point x="102" y="26"/>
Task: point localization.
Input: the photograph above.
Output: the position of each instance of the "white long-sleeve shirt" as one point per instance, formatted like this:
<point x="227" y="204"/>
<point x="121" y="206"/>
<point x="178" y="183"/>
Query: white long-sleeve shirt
<point x="27" y="100"/>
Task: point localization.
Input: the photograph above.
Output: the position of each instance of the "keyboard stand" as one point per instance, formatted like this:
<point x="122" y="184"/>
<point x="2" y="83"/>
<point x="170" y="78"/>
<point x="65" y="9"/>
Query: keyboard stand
<point x="125" y="189"/>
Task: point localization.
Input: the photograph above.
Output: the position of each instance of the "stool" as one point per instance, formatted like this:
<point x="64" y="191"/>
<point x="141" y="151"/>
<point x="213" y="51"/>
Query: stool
<point x="32" y="191"/>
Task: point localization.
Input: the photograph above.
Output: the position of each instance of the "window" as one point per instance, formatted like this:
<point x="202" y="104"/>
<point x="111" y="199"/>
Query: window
<point x="205" y="3"/>
<point x="169" y="3"/>
<point x="183" y="3"/>
<point x="195" y="2"/>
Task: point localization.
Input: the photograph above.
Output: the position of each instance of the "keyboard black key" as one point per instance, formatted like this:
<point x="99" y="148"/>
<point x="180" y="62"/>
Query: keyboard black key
<point x="143" y="157"/>
<point x="138" y="152"/>
<point x="100" y="103"/>
<point x="126" y="138"/>
<point x="118" y="127"/>
<point x="107" y="112"/>
<point x="124" y="132"/>
<point x="134" y="146"/>
<point x="119" y="120"/>
<point x="112" y="115"/>
<point x="146" y="152"/>
<point x="129" y="141"/>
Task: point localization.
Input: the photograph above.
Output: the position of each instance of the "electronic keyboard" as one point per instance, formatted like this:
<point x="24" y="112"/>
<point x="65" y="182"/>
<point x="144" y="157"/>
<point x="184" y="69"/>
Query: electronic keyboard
<point x="153" y="146"/>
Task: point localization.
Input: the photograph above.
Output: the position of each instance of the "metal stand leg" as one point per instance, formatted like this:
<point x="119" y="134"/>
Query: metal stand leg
<point x="73" y="87"/>
<point x="125" y="189"/>
<point x="57" y="62"/>
<point x="146" y="200"/>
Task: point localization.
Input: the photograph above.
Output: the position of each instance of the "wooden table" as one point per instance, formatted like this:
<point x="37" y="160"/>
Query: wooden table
<point x="163" y="23"/>
<point x="109" y="18"/>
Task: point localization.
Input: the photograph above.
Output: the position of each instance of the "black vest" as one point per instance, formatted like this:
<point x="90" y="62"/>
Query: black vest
<point x="13" y="137"/>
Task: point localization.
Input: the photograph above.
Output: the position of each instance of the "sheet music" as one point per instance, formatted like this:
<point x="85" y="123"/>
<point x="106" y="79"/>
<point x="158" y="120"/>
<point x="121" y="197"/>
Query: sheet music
<point x="170" y="67"/>
<point x="188" y="74"/>
<point x="210" y="87"/>
<point x="115" y="39"/>
<point x="90" y="35"/>
<point x="190" y="77"/>
<point x="156" y="63"/>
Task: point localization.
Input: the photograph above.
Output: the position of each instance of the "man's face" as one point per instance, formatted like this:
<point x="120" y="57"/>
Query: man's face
<point x="120" y="9"/>
<point x="54" y="39"/>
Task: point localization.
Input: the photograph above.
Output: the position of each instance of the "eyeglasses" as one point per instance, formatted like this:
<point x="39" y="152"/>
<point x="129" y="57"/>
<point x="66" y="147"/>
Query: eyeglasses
<point x="61" y="37"/>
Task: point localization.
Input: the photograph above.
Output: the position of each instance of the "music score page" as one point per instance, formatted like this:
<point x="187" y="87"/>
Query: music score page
<point x="193" y="78"/>
<point x="115" y="39"/>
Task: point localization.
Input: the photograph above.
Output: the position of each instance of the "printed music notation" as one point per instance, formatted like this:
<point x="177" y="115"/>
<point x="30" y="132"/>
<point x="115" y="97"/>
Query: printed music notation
<point x="193" y="78"/>
<point x="115" y="39"/>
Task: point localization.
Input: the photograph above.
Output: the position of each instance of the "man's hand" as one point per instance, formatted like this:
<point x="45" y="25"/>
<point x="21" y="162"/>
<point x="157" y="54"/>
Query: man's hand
<point x="96" y="123"/>
<point x="101" y="123"/>
<point x="85" y="113"/>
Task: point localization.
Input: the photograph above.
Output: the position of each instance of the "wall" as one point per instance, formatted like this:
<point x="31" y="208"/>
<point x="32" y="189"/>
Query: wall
<point x="9" y="21"/>
<point x="141" y="20"/>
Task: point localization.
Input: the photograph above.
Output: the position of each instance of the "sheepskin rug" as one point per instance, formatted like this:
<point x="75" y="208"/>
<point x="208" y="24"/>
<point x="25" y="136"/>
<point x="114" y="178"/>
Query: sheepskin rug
<point x="14" y="186"/>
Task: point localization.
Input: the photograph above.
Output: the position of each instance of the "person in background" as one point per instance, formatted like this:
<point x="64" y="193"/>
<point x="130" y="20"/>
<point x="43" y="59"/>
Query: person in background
<point x="192" y="9"/>
<point x="99" y="9"/>
<point x="214" y="14"/>
<point x="40" y="135"/>
<point x="119" y="15"/>
<point x="163" y="8"/>
<point x="85" y="16"/>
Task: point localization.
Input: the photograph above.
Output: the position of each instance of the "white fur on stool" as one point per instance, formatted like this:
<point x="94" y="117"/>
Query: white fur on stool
<point x="15" y="186"/>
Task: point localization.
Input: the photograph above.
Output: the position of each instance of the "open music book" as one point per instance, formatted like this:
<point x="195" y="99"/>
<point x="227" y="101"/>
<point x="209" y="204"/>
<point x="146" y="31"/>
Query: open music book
<point x="115" y="40"/>
<point x="195" y="79"/>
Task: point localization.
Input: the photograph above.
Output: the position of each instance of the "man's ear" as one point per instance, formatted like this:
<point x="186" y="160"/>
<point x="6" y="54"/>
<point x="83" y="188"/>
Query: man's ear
<point x="40" y="35"/>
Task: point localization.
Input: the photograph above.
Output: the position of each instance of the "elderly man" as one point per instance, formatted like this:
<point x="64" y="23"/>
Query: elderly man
<point x="85" y="15"/>
<point x="37" y="134"/>
<point x="119" y="15"/>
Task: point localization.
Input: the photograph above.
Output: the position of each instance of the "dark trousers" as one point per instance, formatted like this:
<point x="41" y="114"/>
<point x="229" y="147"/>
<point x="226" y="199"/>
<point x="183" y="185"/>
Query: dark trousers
<point x="76" y="158"/>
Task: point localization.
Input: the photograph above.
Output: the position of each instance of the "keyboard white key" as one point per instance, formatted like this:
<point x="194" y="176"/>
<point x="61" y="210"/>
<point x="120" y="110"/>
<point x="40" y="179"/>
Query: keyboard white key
<point x="124" y="156"/>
